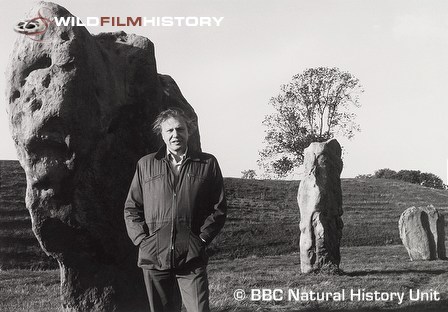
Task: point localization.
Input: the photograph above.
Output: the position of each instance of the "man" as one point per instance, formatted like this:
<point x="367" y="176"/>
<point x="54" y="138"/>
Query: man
<point x="175" y="207"/>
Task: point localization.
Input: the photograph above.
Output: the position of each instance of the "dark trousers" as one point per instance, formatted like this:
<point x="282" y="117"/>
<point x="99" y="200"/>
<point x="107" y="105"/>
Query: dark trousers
<point x="167" y="289"/>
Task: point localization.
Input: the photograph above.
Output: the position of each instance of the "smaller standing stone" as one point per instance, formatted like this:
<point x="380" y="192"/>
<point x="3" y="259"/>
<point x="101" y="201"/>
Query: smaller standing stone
<point x="422" y="231"/>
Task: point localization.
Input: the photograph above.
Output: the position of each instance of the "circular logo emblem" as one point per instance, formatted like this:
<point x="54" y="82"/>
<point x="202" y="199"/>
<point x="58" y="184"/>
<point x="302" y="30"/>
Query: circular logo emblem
<point x="34" y="27"/>
<point x="31" y="27"/>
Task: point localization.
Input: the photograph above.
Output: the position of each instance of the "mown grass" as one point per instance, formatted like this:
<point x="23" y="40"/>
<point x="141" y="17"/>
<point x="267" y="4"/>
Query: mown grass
<point x="264" y="217"/>
<point x="372" y="268"/>
<point x="19" y="247"/>
<point x="257" y="248"/>
<point x="26" y="290"/>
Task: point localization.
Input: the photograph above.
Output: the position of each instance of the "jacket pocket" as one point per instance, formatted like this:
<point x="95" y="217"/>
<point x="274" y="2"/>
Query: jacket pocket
<point x="196" y="177"/>
<point x="149" y="251"/>
<point x="196" y="248"/>
<point x="154" y="177"/>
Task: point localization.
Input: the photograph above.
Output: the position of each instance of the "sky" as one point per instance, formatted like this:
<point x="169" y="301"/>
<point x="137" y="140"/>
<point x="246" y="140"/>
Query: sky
<point x="397" y="49"/>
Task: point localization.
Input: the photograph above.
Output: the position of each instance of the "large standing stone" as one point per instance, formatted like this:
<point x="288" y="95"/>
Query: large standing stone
<point x="422" y="231"/>
<point x="320" y="203"/>
<point x="80" y="110"/>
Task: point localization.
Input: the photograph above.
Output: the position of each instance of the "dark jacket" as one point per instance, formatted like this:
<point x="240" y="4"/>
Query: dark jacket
<point x="168" y="220"/>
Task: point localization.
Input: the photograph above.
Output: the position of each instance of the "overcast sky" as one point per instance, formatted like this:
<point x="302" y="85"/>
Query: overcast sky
<point x="398" y="50"/>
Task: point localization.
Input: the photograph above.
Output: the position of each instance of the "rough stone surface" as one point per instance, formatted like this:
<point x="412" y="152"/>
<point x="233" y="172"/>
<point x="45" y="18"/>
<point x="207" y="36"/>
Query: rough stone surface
<point x="80" y="109"/>
<point x="422" y="231"/>
<point x="320" y="203"/>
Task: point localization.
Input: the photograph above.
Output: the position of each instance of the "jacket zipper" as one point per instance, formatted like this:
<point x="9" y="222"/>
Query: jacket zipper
<point x="175" y="187"/>
<point x="173" y="206"/>
<point x="173" y="228"/>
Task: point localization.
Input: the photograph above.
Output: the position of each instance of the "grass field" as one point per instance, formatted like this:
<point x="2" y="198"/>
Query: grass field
<point x="371" y="268"/>
<point x="18" y="245"/>
<point x="382" y="269"/>
<point x="264" y="216"/>
<point x="258" y="248"/>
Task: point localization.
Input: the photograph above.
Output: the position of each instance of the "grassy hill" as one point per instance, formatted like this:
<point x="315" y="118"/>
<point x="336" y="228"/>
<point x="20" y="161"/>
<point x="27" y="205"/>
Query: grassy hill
<point x="263" y="217"/>
<point x="19" y="247"/>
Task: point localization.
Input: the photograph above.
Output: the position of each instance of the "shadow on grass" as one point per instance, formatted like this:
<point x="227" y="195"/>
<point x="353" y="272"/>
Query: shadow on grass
<point x="385" y="272"/>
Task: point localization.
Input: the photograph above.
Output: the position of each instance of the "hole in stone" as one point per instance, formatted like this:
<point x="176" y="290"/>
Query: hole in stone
<point x="64" y="36"/>
<point x="15" y="95"/>
<point x="35" y="105"/>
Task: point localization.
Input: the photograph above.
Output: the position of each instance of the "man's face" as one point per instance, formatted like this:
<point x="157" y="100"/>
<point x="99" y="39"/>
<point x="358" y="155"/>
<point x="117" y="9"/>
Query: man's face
<point x="175" y="134"/>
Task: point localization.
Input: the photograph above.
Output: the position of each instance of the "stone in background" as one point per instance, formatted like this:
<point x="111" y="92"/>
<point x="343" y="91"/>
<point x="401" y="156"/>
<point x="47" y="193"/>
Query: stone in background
<point x="422" y="231"/>
<point x="320" y="202"/>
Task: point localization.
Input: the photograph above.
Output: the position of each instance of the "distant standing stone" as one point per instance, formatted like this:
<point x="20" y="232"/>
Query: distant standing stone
<point x="422" y="231"/>
<point x="320" y="203"/>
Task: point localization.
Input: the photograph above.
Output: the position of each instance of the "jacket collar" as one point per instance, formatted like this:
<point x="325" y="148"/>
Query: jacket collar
<point x="192" y="155"/>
